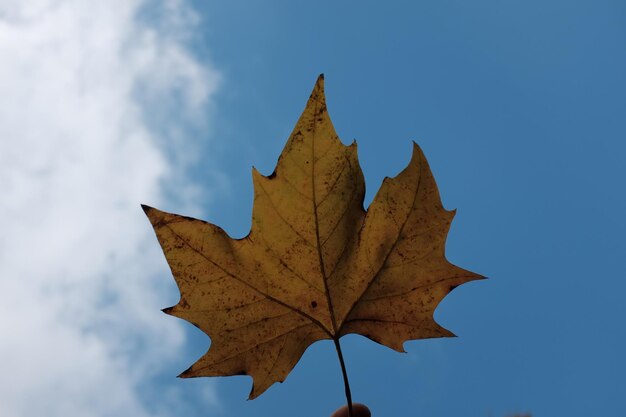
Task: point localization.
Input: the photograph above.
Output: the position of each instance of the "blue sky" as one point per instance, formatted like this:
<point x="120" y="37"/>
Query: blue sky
<point x="518" y="105"/>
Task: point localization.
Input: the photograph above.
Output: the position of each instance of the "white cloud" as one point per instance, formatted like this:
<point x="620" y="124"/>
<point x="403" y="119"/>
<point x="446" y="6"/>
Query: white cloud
<point x="81" y="276"/>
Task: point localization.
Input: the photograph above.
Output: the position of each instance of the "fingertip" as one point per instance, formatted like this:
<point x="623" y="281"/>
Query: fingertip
<point x="358" y="410"/>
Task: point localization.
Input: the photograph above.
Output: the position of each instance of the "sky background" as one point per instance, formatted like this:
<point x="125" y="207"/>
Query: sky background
<point x="519" y="107"/>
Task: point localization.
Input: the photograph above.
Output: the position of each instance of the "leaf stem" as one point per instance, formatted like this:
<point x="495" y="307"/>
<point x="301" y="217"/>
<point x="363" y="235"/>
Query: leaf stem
<point x="345" y="374"/>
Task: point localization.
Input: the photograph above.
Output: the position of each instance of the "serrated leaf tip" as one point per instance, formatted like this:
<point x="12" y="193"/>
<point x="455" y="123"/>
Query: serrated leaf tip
<point x="417" y="149"/>
<point x="319" y="87"/>
<point x="185" y="373"/>
<point x="146" y="209"/>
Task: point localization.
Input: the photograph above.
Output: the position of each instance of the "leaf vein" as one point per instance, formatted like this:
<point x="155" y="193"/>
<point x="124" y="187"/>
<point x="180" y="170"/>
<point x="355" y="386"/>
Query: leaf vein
<point x="282" y="218"/>
<point x="269" y="297"/>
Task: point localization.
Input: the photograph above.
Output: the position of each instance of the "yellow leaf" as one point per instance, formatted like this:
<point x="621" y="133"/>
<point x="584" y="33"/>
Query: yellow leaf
<point x="315" y="265"/>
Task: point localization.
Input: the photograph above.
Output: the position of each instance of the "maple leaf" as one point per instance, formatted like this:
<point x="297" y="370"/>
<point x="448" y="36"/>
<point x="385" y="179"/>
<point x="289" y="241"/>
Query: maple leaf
<point x="315" y="264"/>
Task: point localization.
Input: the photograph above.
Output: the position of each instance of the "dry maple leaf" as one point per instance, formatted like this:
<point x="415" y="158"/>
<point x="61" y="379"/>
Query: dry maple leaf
<point x="315" y="265"/>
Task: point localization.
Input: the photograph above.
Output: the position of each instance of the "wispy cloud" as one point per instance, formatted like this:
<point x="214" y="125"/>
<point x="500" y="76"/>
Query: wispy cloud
<point x="85" y="89"/>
